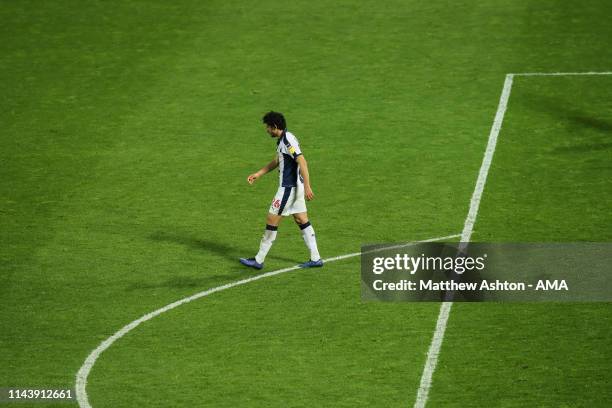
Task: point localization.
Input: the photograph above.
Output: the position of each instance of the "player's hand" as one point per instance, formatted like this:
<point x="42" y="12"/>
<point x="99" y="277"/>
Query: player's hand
<point x="252" y="177"/>
<point x="308" y="193"/>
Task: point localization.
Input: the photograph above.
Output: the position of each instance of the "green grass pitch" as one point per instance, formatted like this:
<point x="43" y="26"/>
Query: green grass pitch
<point x="128" y="130"/>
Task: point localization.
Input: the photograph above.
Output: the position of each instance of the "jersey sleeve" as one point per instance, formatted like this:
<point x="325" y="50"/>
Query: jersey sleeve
<point x="292" y="145"/>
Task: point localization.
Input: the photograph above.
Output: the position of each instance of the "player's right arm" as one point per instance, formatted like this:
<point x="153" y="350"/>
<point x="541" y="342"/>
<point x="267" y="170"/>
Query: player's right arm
<point x="265" y="169"/>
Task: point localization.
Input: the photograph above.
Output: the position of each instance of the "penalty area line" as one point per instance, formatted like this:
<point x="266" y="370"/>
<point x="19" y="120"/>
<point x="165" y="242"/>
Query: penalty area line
<point x="468" y="228"/>
<point x="561" y="73"/>
<point x="445" y="308"/>
<point x="83" y="373"/>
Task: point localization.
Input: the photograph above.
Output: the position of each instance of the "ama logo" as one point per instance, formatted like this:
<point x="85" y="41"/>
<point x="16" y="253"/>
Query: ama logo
<point x="552" y="285"/>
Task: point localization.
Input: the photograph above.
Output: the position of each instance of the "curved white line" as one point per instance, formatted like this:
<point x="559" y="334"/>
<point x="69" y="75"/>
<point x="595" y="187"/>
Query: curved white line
<point x="81" y="377"/>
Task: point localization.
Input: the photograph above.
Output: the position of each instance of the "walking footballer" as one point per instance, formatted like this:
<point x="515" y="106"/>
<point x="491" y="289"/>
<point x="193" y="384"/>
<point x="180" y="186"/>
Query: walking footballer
<point x="293" y="191"/>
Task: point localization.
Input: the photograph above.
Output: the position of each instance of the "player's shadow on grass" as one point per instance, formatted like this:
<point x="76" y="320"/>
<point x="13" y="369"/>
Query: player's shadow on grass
<point x="574" y="119"/>
<point x="229" y="252"/>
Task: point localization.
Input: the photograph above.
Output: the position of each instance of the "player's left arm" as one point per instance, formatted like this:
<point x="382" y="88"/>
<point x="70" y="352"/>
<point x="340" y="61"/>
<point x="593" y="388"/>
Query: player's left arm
<point x="303" y="165"/>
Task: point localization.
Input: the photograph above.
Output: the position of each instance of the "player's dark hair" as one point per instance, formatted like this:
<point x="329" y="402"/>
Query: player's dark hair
<point x="275" y="119"/>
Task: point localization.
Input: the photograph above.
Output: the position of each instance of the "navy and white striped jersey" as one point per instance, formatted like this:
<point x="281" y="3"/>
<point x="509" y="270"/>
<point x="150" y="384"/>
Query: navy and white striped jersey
<point x="288" y="150"/>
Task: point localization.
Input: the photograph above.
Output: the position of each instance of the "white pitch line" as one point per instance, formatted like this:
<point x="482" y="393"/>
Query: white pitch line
<point x="470" y="220"/>
<point x="445" y="307"/>
<point x="560" y="73"/>
<point x="81" y="377"/>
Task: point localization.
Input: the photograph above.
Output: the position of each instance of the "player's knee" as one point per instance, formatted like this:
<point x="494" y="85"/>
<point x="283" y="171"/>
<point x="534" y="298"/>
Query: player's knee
<point x="272" y="219"/>
<point x="300" y="219"/>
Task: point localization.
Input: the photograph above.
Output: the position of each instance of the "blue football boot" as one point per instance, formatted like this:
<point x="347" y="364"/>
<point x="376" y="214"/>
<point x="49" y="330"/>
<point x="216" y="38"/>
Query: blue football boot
<point x="251" y="262"/>
<point x="312" y="264"/>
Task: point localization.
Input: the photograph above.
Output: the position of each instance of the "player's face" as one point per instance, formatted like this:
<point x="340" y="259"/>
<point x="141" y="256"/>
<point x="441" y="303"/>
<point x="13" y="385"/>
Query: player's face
<point x="273" y="131"/>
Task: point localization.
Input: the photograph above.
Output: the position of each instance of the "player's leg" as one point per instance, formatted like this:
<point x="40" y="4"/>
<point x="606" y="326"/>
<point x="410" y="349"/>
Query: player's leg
<point x="272" y="220"/>
<point x="300" y="218"/>
<point x="310" y="239"/>
<point x="269" y="235"/>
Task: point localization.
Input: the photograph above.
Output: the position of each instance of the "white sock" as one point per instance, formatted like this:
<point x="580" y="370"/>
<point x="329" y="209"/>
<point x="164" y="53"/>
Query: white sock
<point x="266" y="243"/>
<point x="311" y="241"/>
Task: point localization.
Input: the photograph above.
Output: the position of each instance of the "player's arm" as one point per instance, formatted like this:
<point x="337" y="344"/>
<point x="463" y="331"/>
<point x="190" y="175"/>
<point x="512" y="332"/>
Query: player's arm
<point x="303" y="165"/>
<point x="265" y="169"/>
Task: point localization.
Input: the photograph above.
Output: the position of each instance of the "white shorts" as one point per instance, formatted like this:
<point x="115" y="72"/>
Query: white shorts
<point x="288" y="200"/>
